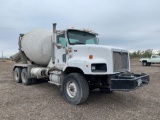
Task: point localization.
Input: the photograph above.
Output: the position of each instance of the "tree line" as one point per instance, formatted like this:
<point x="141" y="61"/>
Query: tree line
<point x="143" y="53"/>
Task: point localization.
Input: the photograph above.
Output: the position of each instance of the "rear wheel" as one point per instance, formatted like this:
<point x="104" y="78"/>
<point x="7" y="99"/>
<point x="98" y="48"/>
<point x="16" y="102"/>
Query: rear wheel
<point x="24" y="76"/>
<point x="144" y="63"/>
<point x="75" y="88"/>
<point x="17" y="75"/>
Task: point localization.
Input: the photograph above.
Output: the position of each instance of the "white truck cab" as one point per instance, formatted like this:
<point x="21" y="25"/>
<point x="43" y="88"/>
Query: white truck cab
<point x="80" y="49"/>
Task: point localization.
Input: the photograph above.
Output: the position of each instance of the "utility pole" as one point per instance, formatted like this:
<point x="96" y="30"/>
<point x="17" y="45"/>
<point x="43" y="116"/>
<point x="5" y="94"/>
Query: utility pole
<point x="2" y="55"/>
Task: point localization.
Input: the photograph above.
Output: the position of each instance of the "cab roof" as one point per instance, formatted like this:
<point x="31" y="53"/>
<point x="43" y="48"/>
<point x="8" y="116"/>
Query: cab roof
<point x="83" y="30"/>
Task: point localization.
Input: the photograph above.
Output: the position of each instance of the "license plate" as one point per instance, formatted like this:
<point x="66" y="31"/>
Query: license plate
<point x="139" y="82"/>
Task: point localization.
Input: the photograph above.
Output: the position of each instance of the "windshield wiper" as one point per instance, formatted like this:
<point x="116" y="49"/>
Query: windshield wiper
<point x="77" y="43"/>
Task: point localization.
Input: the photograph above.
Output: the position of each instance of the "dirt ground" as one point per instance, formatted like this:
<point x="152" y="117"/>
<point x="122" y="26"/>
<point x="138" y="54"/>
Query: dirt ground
<point x="44" y="101"/>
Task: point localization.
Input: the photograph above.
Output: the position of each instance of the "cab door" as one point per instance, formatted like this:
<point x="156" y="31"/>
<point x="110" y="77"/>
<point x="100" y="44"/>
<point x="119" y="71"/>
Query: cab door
<point x="154" y="59"/>
<point x="157" y="59"/>
<point x="60" y="51"/>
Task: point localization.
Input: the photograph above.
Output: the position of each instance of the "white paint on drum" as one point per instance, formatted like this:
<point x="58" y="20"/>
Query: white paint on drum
<point x="37" y="46"/>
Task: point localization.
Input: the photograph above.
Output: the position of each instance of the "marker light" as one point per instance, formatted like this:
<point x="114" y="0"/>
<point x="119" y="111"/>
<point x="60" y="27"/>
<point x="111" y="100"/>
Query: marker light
<point x="69" y="50"/>
<point x="90" y="56"/>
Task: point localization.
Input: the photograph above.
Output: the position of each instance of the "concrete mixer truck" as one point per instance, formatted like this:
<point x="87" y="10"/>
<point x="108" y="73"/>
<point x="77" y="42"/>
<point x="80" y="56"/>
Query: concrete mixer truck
<point x="74" y="60"/>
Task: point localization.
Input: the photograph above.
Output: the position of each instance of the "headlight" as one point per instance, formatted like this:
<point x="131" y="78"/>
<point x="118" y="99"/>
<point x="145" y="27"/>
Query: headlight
<point x="99" y="67"/>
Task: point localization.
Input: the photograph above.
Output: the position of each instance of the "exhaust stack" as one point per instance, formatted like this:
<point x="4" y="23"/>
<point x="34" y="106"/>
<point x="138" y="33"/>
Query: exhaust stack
<point x="54" y="27"/>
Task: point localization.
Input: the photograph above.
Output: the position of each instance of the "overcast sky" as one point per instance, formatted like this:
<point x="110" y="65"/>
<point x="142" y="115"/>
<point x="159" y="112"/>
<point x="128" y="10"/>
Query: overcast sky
<point x="131" y="24"/>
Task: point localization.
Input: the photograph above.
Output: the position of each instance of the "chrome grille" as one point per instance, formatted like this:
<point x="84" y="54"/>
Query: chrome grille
<point x="120" y="61"/>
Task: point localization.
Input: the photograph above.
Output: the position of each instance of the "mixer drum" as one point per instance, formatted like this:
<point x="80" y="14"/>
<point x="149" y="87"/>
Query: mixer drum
<point x="37" y="46"/>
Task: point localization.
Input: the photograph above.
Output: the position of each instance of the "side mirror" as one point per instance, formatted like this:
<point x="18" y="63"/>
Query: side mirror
<point x="97" y="41"/>
<point x="59" y="46"/>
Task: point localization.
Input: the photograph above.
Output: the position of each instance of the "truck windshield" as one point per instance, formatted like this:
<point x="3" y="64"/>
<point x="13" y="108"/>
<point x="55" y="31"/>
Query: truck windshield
<point x="80" y="37"/>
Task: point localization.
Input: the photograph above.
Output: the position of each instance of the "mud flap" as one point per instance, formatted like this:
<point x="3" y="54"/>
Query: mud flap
<point x="128" y="81"/>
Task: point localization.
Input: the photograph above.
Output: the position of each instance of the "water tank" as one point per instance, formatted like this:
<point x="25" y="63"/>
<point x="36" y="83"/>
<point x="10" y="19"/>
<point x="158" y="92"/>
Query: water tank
<point x="37" y="46"/>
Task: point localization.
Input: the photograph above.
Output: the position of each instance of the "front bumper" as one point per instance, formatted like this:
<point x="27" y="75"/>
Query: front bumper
<point x="128" y="81"/>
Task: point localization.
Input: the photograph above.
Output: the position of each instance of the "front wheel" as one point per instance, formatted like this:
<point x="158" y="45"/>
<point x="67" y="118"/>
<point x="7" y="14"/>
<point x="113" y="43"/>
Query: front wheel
<point x="75" y="88"/>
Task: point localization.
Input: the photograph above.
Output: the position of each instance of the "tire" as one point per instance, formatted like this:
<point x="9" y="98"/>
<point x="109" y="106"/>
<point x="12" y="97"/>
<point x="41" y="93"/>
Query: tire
<point x="105" y="90"/>
<point x="17" y="75"/>
<point x="24" y="76"/>
<point x="75" y="88"/>
<point x="144" y="63"/>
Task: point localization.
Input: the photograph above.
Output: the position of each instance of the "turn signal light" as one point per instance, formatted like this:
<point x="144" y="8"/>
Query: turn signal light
<point x="69" y="50"/>
<point x="90" y="56"/>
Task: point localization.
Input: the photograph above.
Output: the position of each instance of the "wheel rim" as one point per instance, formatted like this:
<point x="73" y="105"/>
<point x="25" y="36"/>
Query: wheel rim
<point x="144" y="63"/>
<point x="24" y="77"/>
<point x="71" y="89"/>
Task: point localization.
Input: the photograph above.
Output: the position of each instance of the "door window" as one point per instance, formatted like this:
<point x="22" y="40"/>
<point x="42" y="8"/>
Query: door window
<point x="61" y="40"/>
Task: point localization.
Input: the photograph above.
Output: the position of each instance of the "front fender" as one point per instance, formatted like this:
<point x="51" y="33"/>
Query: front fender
<point x="84" y="65"/>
